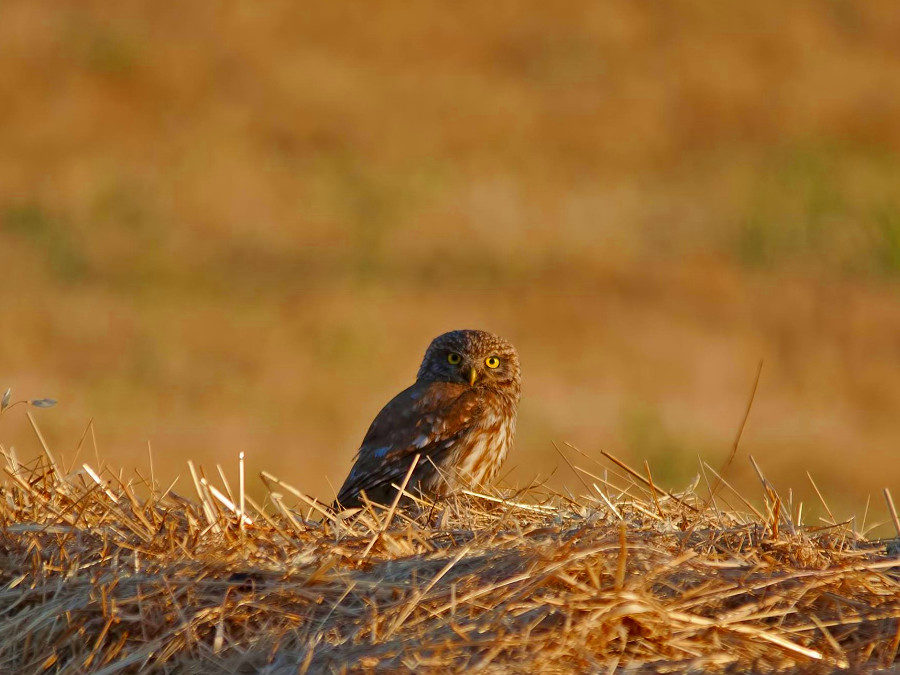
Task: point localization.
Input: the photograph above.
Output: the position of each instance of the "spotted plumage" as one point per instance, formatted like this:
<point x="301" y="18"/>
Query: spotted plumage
<point x="459" y="418"/>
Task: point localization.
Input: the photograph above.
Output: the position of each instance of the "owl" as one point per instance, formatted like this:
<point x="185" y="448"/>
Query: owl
<point x="459" y="418"/>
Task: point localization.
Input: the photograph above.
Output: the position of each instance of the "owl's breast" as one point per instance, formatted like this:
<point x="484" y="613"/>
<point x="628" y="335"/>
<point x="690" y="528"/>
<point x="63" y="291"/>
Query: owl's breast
<point x="483" y="451"/>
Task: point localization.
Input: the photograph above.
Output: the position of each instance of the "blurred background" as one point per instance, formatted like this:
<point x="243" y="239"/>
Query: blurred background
<point x="232" y="226"/>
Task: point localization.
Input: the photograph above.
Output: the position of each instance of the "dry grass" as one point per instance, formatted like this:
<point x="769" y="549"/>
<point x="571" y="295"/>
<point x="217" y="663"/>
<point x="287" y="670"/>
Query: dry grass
<point x="104" y="575"/>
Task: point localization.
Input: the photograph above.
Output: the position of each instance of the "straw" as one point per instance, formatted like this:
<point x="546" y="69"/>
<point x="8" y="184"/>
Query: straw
<point x="100" y="574"/>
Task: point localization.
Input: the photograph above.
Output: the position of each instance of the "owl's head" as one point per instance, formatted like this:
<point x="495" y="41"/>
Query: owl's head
<point x="472" y="357"/>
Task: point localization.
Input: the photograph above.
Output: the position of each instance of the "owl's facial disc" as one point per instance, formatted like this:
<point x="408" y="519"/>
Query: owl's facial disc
<point x="474" y="358"/>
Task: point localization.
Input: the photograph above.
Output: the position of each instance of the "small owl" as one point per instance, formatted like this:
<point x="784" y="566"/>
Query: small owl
<point x="459" y="417"/>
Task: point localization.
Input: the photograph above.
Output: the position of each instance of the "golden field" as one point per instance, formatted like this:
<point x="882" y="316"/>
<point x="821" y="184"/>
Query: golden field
<point x="228" y="226"/>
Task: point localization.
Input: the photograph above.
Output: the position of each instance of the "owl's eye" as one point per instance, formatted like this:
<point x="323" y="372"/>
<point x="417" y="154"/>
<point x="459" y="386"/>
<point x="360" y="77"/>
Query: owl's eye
<point x="492" y="362"/>
<point x="453" y="358"/>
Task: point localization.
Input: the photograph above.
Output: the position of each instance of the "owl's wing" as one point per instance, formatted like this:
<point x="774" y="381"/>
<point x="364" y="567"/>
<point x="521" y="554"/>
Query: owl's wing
<point x="427" y="419"/>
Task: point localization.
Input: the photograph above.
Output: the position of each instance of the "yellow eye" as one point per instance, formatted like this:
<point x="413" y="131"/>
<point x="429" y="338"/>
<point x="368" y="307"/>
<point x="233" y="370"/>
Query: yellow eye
<point x="453" y="358"/>
<point x="492" y="362"/>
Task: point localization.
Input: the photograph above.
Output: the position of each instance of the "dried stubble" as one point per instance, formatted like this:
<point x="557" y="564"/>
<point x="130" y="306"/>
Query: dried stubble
<point x="96" y="578"/>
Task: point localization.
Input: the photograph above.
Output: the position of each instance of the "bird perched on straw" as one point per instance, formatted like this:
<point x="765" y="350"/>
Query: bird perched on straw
<point x="458" y="418"/>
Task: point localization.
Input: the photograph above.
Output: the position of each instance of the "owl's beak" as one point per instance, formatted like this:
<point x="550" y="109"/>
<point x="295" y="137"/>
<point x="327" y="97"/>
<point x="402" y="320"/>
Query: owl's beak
<point x="473" y="375"/>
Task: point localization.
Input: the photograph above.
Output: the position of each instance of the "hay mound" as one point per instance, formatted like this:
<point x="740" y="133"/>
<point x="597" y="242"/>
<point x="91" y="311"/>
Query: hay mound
<point x="94" y="578"/>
